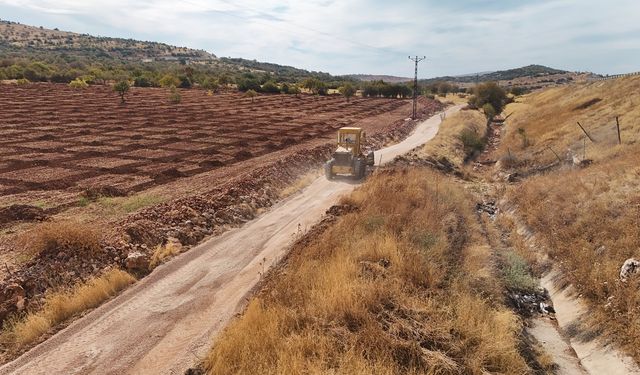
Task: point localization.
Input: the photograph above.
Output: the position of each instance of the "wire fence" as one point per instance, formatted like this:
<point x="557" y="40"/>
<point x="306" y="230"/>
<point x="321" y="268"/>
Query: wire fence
<point x="607" y="77"/>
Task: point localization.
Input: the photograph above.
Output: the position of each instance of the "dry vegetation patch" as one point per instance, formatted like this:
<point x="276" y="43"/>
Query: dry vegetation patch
<point x="51" y="238"/>
<point x="549" y="119"/>
<point x="398" y="286"/>
<point x="588" y="217"/>
<point x="461" y="136"/>
<point x="61" y="305"/>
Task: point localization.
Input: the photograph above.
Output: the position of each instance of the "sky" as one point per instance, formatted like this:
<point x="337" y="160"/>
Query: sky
<point x="368" y="36"/>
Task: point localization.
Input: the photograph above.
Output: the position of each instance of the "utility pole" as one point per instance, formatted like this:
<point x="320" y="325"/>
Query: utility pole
<point x="416" y="60"/>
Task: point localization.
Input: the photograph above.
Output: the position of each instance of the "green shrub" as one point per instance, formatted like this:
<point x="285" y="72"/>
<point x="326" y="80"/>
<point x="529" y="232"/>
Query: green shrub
<point x="516" y="274"/>
<point x="121" y="88"/>
<point x="347" y="91"/>
<point x="78" y="83"/>
<point x="270" y="87"/>
<point x="174" y="96"/>
<point x="473" y="143"/>
<point x="210" y="84"/>
<point x="169" y="80"/>
<point x="491" y="93"/>
<point x="142" y="81"/>
<point x="489" y="111"/>
<point x="251" y="94"/>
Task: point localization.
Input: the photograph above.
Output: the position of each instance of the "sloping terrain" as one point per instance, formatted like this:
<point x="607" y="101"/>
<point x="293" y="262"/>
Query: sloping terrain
<point x="586" y="210"/>
<point x="161" y="322"/>
<point x="401" y="284"/>
<point x="19" y="38"/>
<point x="149" y="171"/>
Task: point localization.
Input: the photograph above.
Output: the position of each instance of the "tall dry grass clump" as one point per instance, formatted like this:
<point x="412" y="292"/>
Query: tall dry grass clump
<point x="589" y="220"/>
<point x="587" y="217"/>
<point x="460" y="136"/>
<point x="549" y="119"/>
<point x="393" y="288"/>
<point x="61" y="305"/>
<point x="49" y="238"/>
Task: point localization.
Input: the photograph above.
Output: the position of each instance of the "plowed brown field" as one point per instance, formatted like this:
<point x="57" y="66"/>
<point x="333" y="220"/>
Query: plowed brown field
<point x="55" y="137"/>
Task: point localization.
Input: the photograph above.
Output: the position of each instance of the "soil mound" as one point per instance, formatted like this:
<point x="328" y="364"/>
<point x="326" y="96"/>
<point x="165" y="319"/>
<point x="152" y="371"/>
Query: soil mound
<point x="21" y="212"/>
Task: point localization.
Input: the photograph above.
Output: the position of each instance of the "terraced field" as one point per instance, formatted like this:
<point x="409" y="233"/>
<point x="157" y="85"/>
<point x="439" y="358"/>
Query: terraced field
<point x="59" y="138"/>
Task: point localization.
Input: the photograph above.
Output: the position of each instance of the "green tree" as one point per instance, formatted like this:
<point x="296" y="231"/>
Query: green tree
<point x="224" y="80"/>
<point x="347" y="91"/>
<point x="489" y="112"/>
<point x="491" y="93"/>
<point x="251" y="94"/>
<point x="78" y="83"/>
<point x="211" y="84"/>
<point x="185" y="82"/>
<point x="122" y="87"/>
<point x="270" y="87"/>
<point x="169" y="80"/>
<point x="315" y="86"/>
<point x="174" y="95"/>
<point x="294" y="90"/>
<point x="248" y="82"/>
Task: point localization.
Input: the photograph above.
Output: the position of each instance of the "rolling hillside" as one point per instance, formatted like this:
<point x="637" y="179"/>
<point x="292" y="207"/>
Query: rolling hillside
<point x="21" y="40"/>
<point x="72" y="55"/>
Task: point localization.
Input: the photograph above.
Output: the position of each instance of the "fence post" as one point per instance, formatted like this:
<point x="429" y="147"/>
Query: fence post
<point x="618" y="127"/>
<point x="585" y="132"/>
<point x="560" y="160"/>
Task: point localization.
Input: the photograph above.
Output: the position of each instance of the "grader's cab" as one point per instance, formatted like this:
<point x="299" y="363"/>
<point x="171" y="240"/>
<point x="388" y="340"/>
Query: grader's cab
<point x="349" y="158"/>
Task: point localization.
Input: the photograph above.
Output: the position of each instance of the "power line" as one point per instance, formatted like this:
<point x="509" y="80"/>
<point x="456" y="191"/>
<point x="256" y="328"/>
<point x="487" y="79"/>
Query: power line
<point x="416" y="60"/>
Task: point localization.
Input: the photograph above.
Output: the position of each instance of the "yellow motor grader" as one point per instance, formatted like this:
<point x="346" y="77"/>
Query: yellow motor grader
<point x="349" y="159"/>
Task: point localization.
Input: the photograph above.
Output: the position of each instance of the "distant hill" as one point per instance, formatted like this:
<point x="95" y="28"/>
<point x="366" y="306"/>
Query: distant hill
<point x="279" y="70"/>
<point x="67" y="55"/>
<point x="19" y="40"/>
<point x="378" y="77"/>
<point x="529" y="71"/>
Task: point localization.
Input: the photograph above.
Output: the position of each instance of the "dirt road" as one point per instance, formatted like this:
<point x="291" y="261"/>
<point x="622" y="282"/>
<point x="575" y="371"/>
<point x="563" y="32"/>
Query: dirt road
<point x="166" y="322"/>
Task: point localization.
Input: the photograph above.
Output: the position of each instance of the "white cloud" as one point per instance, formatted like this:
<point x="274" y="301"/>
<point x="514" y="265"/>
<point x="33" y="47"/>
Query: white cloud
<point x="368" y="36"/>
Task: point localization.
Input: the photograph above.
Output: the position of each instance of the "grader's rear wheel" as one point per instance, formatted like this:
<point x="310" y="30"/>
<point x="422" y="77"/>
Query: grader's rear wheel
<point x="328" y="169"/>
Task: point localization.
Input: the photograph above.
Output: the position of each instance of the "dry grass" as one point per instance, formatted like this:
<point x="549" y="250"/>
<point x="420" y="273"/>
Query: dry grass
<point x="448" y="143"/>
<point x="125" y="205"/>
<point x="301" y="183"/>
<point x="62" y="305"/>
<point x="163" y="252"/>
<point x="549" y="119"/>
<point x="462" y="98"/>
<point x="400" y="286"/>
<point x="588" y="218"/>
<point x="49" y="238"/>
<point x="576" y="213"/>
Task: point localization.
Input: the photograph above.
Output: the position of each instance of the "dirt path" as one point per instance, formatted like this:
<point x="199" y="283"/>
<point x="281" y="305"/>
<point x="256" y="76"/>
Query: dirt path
<point x="164" y="323"/>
